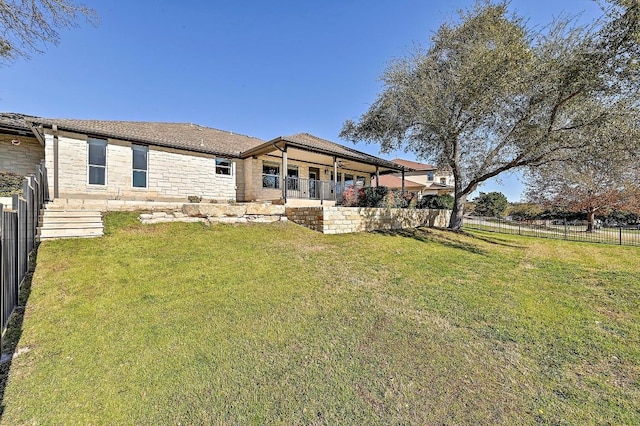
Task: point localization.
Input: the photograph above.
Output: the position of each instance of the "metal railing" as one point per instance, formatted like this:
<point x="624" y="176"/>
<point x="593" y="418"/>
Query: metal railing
<point x="18" y="227"/>
<point x="311" y="189"/>
<point x="628" y="235"/>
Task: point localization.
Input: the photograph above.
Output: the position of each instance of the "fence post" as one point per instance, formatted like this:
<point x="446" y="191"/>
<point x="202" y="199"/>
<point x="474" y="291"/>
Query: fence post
<point x="621" y="235"/>
<point x="2" y="283"/>
<point x="565" y="228"/>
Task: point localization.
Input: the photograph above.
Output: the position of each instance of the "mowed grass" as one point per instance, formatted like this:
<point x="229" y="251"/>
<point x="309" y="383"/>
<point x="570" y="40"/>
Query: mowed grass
<point x="277" y="324"/>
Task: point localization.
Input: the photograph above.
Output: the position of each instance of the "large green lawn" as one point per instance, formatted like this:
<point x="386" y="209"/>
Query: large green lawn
<point x="188" y="324"/>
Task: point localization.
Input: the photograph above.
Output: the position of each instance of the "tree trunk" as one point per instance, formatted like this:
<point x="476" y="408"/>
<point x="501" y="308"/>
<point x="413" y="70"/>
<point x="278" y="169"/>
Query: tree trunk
<point x="590" y="221"/>
<point x="455" y="223"/>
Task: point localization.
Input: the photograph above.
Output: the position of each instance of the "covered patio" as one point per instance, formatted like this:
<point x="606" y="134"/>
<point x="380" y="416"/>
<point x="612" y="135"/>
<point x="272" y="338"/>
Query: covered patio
<point x="305" y="167"/>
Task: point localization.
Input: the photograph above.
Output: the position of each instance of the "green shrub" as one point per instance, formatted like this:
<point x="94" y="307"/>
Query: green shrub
<point x="10" y="184"/>
<point x="373" y="196"/>
<point x="440" y="202"/>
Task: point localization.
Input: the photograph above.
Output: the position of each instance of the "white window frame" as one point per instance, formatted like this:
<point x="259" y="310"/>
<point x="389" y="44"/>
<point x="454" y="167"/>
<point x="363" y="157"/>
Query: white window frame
<point x="230" y="167"/>
<point x="145" y="148"/>
<point x="106" y="161"/>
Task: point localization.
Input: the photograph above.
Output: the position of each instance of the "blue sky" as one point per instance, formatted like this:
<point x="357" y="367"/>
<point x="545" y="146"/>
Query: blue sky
<point x="260" y="68"/>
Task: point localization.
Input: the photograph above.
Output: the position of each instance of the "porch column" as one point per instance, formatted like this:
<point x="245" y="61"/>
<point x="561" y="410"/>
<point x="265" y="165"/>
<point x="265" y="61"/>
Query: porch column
<point x="377" y="176"/>
<point x="283" y="173"/>
<point x="335" y="178"/>
<point x="403" y="182"/>
<point x="54" y="130"/>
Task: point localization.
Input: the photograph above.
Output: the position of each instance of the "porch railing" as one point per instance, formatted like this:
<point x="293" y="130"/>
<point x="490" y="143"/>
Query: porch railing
<point x="312" y="189"/>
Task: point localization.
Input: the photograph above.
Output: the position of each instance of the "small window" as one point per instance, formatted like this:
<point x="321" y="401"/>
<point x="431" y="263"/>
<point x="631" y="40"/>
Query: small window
<point x="430" y="176"/>
<point x="443" y="181"/>
<point x="223" y="166"/>
<point x="97" y="161"/>
<point x="140" y="165"/>
<point x="270" y="175"/>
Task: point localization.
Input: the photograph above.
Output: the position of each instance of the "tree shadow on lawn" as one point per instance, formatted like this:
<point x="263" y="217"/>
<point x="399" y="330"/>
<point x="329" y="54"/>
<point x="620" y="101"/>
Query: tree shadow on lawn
<point x="447" y="238"/>
<point x="14" y="329"/>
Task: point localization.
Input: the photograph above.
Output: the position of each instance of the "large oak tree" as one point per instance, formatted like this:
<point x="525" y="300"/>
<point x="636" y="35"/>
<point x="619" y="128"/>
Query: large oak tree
<point x="489" y="95"/>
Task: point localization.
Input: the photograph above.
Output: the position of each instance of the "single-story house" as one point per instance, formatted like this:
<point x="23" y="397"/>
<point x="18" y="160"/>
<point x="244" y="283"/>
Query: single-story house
<point x="419" y="179"/>
<point x="147" y="161"/>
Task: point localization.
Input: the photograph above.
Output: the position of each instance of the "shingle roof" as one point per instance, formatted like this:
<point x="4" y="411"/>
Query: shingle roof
<point x="13" y="120"/>
<point x="192" y="137"/>
<point x="314" y="142"/>
<point x="414" y="165"/>
<point x="188" y="136"/>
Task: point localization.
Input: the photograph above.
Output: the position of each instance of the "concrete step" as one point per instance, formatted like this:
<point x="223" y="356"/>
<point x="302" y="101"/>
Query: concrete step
<point x="55" y="223"/>
<point x="72" y="213"/>
<point x="71" y="225"/>
<point x="79" y="219"/>
<point x="49" y="234"/>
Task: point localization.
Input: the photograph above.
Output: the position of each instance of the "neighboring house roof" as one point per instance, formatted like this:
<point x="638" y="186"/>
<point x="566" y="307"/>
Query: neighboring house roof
<point x="391" y="181"/>
<point x="315" y="144"/>
<point x="414" y="165"/>
<point x="188" y="136"/>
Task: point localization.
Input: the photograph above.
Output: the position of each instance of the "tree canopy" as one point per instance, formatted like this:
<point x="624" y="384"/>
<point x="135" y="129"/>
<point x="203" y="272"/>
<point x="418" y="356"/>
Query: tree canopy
<point x="492" y="204"/>
<point x="490" y="95"/>
<point x="26" y="26"/>
<point x="589" y="182"/>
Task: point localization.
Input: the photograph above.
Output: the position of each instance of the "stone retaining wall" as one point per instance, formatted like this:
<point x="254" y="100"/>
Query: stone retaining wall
<point x="343" y="220"/>
<point x="219" y="213"/>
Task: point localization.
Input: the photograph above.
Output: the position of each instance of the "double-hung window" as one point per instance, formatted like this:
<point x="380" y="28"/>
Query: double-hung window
<point x="223" y="166"/>
<point x="97" y="161"/>
<point x="140" y="165"/>
<point x="430" y="176"/>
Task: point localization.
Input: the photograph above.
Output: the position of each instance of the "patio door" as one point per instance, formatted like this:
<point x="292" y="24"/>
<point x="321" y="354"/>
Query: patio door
<point x="314" y="174"/>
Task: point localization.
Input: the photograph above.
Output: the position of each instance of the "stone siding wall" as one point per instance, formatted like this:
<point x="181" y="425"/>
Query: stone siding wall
<point x="20" y="159"/>
<point x="342" y="220"/>
<point x="173" y="174"/>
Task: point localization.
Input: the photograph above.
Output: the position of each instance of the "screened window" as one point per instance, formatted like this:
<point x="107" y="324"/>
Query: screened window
<point x="140" y="165"/>
<point x="270" y="175"/>
<point x="223" y="166"/>
<point x="97" y="161"/>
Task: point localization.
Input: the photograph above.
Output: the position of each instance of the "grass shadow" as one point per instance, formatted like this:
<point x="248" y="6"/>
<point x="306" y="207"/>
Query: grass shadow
<point x="425" y="235"/>
<point x="14" y="328"/>
<point x="495" y="240"/>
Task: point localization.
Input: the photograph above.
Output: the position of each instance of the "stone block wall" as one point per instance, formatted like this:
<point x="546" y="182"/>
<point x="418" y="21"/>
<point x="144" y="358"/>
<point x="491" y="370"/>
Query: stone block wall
<point x="311" y="217"/>
<point x="173" y="174"/>
<point x="20" y="159"/>
<point x="343" y="220"/>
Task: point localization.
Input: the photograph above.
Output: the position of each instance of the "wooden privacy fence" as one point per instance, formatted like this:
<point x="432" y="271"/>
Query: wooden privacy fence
<point x="18" y="227"/>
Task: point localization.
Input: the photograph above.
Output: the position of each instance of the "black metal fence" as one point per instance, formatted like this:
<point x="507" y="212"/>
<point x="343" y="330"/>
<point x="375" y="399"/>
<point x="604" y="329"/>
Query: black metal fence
<point x="18" y="226"/>
<point x="574" y="230"/>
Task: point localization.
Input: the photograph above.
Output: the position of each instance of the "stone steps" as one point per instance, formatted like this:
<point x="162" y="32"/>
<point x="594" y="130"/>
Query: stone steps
<point x="56" y="223"/>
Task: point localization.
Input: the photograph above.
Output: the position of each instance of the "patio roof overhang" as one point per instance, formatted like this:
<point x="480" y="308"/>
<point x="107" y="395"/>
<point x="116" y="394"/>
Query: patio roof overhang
<point x="326" y="155"/>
